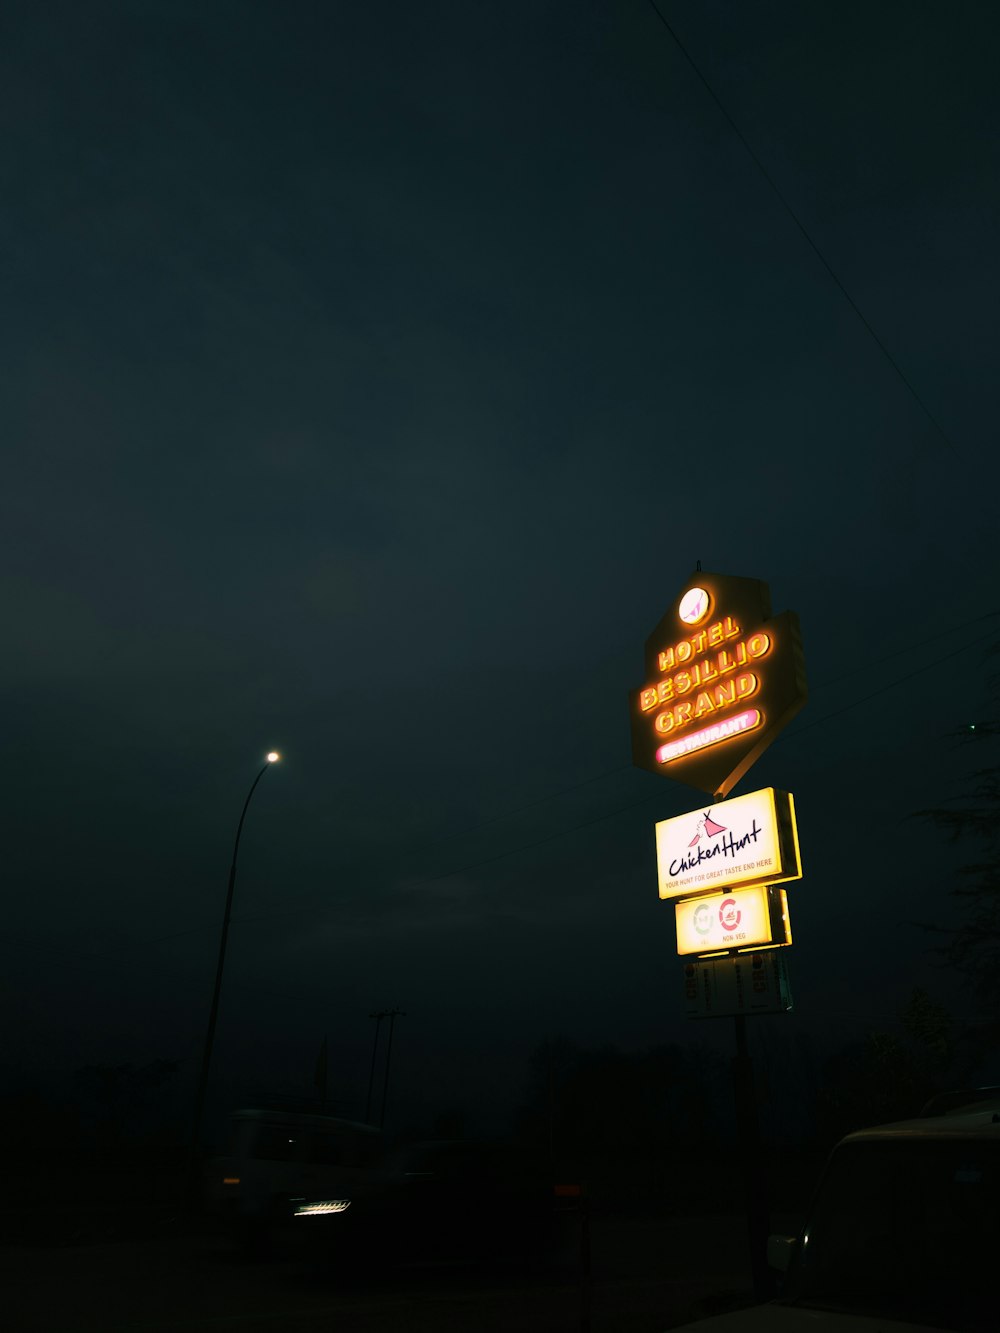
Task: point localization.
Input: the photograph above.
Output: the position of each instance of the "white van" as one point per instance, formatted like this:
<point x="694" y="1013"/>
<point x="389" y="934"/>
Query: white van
<point x="281" y="1163"/>
<point x="903" y="1235"/>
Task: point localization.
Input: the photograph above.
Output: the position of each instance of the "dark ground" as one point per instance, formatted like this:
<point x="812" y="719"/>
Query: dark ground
<point x="111" y="1251"/>
<point x="648" y="1273"/>
<point x="172" y="1273"/>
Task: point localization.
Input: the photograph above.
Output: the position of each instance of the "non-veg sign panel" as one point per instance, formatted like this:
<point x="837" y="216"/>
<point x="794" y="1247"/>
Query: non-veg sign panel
<point x="723" y="676"/>
<point x="740" y="919"/>
<point x="750" y="839"/>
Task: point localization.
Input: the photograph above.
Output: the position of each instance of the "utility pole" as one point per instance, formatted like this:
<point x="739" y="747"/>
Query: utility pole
<point x="754" y="1172"/>
<point x="392" y="1015"/>
<point x="382" y="1013"/>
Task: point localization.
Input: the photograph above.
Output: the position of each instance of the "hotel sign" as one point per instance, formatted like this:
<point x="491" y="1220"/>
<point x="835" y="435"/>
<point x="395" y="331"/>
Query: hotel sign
<point x="750" y="839"/>
<point x="723" y="676"/>
<point x="740" y="919"/>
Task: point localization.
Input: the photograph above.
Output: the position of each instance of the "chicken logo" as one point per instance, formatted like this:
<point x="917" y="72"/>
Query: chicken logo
<point x="706" y="827"/>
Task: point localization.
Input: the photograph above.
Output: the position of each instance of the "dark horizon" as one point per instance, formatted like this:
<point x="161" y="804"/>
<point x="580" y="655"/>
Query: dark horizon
<point x="373" y="383"/>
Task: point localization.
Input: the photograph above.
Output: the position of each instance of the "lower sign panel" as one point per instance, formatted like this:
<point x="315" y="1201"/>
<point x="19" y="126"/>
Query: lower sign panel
<point x="743" y="919"/>
<point x="749" y="983"/>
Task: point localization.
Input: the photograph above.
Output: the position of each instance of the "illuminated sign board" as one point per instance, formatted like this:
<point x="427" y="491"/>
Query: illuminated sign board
<point x="739" y="919"/>
<point x="723" y="676"/>
<point x="747" y="840"/>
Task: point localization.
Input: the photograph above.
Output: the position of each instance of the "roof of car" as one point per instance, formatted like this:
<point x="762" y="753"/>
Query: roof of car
<point x="979" y="1117"/>
<point x="304" y="1119"/>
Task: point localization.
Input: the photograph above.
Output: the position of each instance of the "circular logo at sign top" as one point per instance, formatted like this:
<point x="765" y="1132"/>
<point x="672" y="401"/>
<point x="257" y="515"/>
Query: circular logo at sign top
<point x="702" y="919"/>
<point x="729" y="914"/>
<point x="694" y="606"/>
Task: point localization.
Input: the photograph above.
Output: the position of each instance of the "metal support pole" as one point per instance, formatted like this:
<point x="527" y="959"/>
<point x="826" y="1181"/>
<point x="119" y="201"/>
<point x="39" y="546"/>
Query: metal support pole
<point x="382" y="1013"/>
<point x="755" y="1175"/>
<point x="586" y="1275"/>
<point x="206" y="1059"/>
<point x="392" y="1015"/>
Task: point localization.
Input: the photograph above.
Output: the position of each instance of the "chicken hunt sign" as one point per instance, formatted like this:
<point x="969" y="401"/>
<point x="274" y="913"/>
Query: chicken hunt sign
<point x="750" y="839"/>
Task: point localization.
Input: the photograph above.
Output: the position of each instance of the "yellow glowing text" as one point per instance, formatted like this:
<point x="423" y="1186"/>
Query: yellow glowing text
<point x="702" y="682"/>
<point x="707" y="702"/>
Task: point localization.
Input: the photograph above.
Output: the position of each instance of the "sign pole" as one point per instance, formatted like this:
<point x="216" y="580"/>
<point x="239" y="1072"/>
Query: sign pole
<point x="754" y="1173"/>
<point x="723" y="676"/>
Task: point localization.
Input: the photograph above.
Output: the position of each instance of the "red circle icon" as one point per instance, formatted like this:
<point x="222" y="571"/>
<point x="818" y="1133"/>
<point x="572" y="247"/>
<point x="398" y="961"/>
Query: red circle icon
<point x="729" y="914"/>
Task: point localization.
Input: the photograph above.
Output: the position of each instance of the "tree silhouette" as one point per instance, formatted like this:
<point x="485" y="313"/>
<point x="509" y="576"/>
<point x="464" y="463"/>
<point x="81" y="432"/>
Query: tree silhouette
<point x="631" y="1125"/>
<point x="119" y="1101"/>
<point x="972" y="947"/>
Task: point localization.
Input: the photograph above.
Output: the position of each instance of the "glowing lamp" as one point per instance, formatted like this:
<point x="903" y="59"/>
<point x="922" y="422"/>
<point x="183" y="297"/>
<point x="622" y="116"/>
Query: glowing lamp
<point x="273" y="756"/>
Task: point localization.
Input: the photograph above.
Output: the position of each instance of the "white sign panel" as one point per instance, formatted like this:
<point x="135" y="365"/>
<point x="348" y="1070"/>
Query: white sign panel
<point x="737" y="919"/>
<point x="748" y="840"/>
<point x="747" y="983"/>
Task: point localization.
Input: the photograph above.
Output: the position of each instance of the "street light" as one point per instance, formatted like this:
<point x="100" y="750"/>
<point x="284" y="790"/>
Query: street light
<point x="272" y="757"/>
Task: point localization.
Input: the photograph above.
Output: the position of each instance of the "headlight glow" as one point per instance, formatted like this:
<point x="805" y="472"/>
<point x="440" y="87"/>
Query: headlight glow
<point x="322" y="1206"/>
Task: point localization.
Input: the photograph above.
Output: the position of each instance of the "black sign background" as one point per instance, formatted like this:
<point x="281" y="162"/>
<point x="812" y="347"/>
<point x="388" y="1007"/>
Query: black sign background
<point x="783" y="690"/>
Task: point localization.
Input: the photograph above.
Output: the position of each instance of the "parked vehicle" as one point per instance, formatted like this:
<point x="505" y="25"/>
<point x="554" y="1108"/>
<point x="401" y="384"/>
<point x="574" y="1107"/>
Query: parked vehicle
<point x="903" y="1232"/>
<point x="438" y="1200"/>
<point x="283" y="1166"/>
<point x="461" y="1199"/>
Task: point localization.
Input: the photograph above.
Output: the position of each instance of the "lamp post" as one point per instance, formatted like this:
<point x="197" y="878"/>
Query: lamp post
<point x="206" y="1059"/>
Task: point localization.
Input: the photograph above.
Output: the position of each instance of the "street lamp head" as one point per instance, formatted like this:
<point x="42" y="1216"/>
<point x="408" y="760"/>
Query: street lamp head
<point x="273" y="756"/>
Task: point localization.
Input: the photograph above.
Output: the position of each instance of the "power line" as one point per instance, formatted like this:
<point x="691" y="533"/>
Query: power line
<point x="909" y="647"/>
<point x="866" y="666"/>
<point x="899" y="680"/>
<point x="803" y="230"/>
<point x="312" y="908"/>
<point x="309" y="909"/>
<point x="81" y="958"/>
<point x="633" y="805"/>
<point x="471" y="865"/>
<point x="540" y="800"/>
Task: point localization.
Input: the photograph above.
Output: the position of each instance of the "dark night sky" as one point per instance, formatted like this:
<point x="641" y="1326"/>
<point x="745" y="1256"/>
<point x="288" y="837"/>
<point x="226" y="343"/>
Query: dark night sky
<point x="372" y="379"/>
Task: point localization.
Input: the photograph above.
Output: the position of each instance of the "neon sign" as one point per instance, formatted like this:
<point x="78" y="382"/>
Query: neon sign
<point x="718" y="690"/>
<point x="697" y="740"/>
